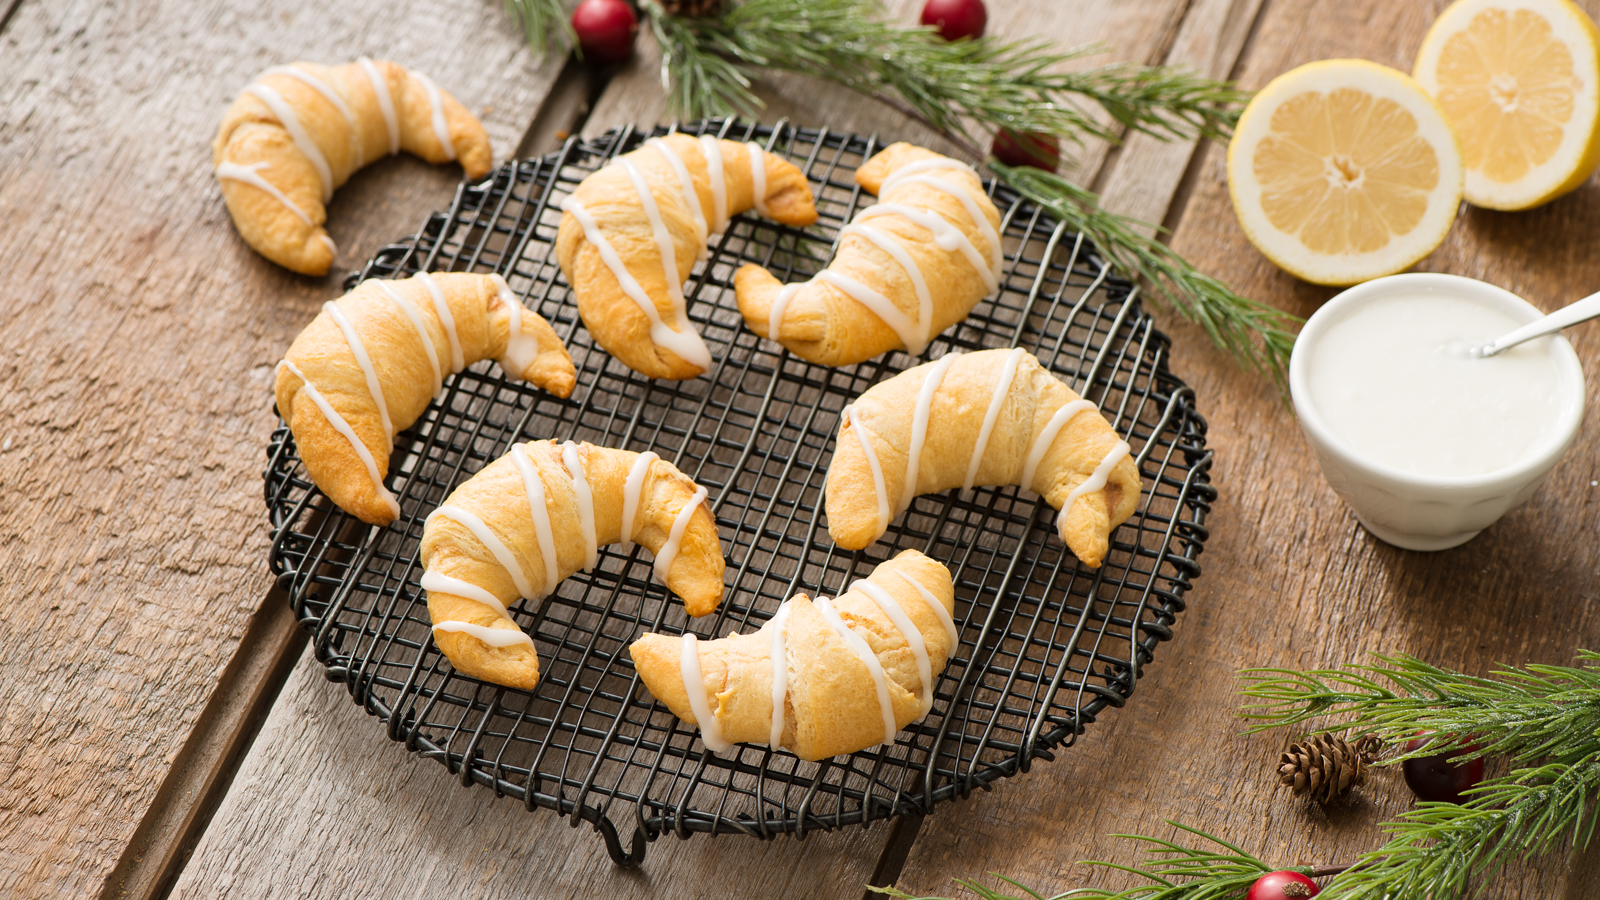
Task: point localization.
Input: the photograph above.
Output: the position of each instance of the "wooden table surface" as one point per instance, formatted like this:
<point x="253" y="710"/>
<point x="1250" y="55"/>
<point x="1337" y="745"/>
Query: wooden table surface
<point x="162" y="732"/>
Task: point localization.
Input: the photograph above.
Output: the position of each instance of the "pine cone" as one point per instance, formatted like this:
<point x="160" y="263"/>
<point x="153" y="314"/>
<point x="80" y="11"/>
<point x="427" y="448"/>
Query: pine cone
<point x="1328" y="767"/>
<point x="693" y="8"/>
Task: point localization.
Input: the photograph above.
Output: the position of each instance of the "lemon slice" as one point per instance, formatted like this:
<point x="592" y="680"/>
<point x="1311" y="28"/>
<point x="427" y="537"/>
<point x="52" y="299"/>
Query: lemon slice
<point x="1517" y="79"/>
<point x="1344" y="170"/>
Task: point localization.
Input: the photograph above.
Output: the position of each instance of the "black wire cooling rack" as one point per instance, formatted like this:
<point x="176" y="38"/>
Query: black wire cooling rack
<point x="1045" y="644"/>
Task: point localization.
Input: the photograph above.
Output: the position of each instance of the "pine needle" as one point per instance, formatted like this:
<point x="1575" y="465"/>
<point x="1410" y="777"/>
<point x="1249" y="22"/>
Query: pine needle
<point x="542" y="21"/>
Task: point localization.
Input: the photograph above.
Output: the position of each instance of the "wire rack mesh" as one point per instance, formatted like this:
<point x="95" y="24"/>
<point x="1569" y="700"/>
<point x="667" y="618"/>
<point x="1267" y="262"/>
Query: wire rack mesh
<point x="1045" y="644"/>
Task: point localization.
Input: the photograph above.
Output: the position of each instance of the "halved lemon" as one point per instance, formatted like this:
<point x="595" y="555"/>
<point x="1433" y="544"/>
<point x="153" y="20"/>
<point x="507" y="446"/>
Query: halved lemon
<point x="1344" y="170"/>
<point x="1519" y="80"/>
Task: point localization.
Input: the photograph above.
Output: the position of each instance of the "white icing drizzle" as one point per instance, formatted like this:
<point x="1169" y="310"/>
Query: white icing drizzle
<point x="690" y="198"/>
<point x="877" y="471"/>
<point x="533" y="486"/>
<point x="863" y="651"/>
<point x="758" y="176"/>
<point x="669" y="550"/>
<point x="919" y="424"/>
<point x="340" y="425"/>
<point x="251" y="175"/>
<point x="780" y="303"/>
<point x="494" y="637"/>
<point x="891" y="245"/>
<point x="1041" y="444"/>
<point x="694" y="684"/>
<point x="946" y="237"/>
<point x="780" y="674"/>
<point x="441" y="128"/>
<point x="630" y="495"/>
<point x="919" y="649"/>
<point x="663" y="238"/>
<point x="923" y="165"/>
<point x="489" y="539"/>
<point x="415" y="315"/>
<point x="359" y="350"/>
<point x="937" y="607"/>
<point x="442" y="307"/>
<point x="297" y="133"/>
<point x="328" y="242"/>
<point x="881" y="306"/>
<point x="686" y="343"/>
<point x="719" y="183"/>
<point x="444" y="584"/>
<point x="521" y="349"/>
<point x="380" y="89"/>
<point x="1096" y="481"/>
<point x="1001" y="389"/>
<point x="330" y="95"/>
<point x="580" y="487"/>
<point x="971" y="206"/>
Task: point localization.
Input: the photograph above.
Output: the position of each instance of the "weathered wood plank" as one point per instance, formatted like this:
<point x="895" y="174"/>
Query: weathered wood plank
<point x="326" y="806"/>
<point x="139" y="334"/>
<point x="1290" y="579"/>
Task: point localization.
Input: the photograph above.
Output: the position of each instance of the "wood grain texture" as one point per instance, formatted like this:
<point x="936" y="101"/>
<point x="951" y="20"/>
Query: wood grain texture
<point x="326" y="806"/>
<point x="1291" y="579"/>
<point x="138" y="333"/>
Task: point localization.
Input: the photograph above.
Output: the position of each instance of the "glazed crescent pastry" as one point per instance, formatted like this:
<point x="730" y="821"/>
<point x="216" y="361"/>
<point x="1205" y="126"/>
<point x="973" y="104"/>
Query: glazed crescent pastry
<point x="540" y="513"/>
<point x="822" y="677"/>
<point x="633" y="230"/>
<point x="995" y="417"/>
<point x="369" y="363"/>
<point x="301" y="130"/>
<point x="908" y="267"/>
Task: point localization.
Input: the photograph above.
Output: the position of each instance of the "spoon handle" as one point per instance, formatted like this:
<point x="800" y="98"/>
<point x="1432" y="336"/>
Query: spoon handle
<point x="1572" y="314"/>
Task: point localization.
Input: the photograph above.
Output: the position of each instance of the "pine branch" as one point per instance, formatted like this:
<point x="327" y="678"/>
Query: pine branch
<point x="1018" y="85"/>
<point x="1526" y="714"/>
<point x="1443" y="850"/>
<point x="543" y="20"/>
<point x="1174" y="870"/>
<point x="1254" y="334"/>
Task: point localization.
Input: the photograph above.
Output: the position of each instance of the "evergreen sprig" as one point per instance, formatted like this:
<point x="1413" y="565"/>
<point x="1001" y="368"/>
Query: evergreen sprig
<point x="1253" y="333"/>
<point x="1525" y="714"/>
<point x="1173" y="871"/>
<point x="543" y="20"/>
<point x="963" y="88"/>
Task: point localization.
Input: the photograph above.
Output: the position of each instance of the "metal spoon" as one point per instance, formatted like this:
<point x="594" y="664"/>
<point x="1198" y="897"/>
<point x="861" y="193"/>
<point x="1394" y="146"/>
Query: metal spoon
<point x="1581" y="311"/>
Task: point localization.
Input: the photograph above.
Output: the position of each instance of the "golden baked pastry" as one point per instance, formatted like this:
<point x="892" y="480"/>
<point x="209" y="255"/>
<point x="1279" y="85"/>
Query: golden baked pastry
<point x="996" y="417"/>
<point x="301" y="130"/>
<point x="821" y="677"/>
<point x="632" y="232"/>
<point x="908" y="267"/>
<point x="535" y="516"/>
<point x="369" y="363"/>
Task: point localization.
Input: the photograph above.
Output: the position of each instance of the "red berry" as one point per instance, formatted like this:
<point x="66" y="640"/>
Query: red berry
<point x="1436" y="777"/>
<point x="1282" y="886"/>
<point x="605" y="30"/>
<point x="1027" y="148"/>
<point x="956" y="19"/>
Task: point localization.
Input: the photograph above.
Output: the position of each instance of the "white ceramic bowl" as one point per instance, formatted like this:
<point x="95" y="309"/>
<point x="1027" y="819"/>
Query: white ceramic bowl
<point x="1420" y="512"/>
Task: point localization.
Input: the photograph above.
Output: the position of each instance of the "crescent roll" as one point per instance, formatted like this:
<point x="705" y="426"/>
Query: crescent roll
<point x="995" y="417"/>
<point x="907" y="267"/>
<point x="821" y="677"/>
<point x="632" y="232"/>
<point x="369" y="363"/>
<point x="301" y="130"/>
<point x="535" y="516"/>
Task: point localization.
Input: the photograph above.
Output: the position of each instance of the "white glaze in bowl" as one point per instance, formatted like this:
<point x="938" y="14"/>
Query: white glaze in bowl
<point x="1415" y="510"/>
